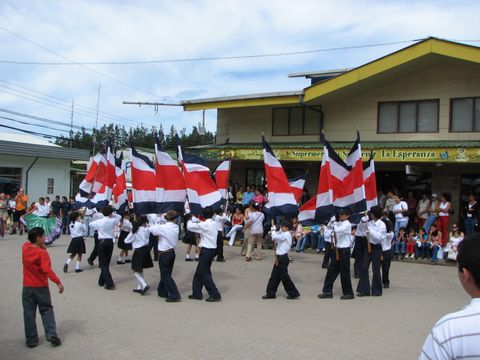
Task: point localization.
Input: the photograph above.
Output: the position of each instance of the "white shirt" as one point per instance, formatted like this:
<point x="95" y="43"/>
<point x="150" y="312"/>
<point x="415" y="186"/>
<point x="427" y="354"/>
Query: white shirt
<point x="255" y="218"/>
<point x="126" y="225"/>
<point x="41" y="210"/>
<point x="208" y="232"/>
<point x="455" y="336"/>
<point x="378" y="231"/>
<point x="90" y="212"/>
<point x="77" y="229"/>
<point x="105" y="226"/>
<point x="387" y="244"/>
<point x="97" y="216"/>
<point x="423" y="206"/>
<point x="402" y="205"/>
<point x="283" y="240"/>
<point x="343" y="232"/>
<point x="155" y="219"/>
<point x="328" y="231"/>
<point x="220" y="220"/>
<point x="167" y="235"/>
<point x="362" y="227"/>
<point x="139" y="239"/>
<point x="443" y="206"/>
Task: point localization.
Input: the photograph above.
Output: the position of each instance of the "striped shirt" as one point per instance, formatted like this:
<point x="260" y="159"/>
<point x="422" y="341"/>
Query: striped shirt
<point x="455" y="336"/>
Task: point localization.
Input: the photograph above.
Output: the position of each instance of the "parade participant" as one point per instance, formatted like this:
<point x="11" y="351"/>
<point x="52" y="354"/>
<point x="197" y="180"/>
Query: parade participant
<point x="328" y="234"/>
<point x="39" y="217"/>
<point x="190" y="238"/>
<point x="237" y="225"/>
<point x="141" y="259"/>
<point x="77" y="242"/>
<point x="64" y="211"/>
<point x="208" y="249"/>
<point x="340" y="261"/>
<point x="387" y="251"/>
<point x="105" y="227"/>
<point x="36" y="272"/>
<point x="93" y="255"/>
<point x="255" y="226"/>
<point x="153" y="240"/>
<point x="376" y="233"/>
<point x="455" y="336"/>
<point x="167" y="242"/>
<point x="125" y="228"/>
<point x="283" y="241"/>
<point x="360" y="251"/>
<point x="21" y="201"/>
<point x="220" y="219"/>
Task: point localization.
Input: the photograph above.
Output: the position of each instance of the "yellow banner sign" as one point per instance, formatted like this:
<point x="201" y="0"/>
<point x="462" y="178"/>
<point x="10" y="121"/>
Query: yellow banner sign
<point x="467" y="155"/>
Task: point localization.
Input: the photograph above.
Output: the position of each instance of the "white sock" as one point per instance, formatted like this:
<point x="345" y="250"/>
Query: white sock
<point x="188" y="256"/>
<point x="68" y="261"/>
<point x="196" y="256"/>
<point x="139" y="277"/>
<point x="77" y="267"/>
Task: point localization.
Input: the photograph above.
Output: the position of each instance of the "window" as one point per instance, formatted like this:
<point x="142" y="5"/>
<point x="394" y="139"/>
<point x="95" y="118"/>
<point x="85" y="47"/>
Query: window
<point x="255" y="176"/>
<point x="50" y="185"/>
<point x="295" y="121"/>
<point x="408" y="116"/>
<point x="465" y="114"/>
<point x="10" y="180"/>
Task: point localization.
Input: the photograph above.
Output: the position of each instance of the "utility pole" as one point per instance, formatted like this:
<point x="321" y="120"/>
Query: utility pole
<point x="95" y="129"/>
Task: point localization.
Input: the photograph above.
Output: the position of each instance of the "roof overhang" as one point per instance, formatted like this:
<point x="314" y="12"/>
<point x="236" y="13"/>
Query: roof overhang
<point x="43" y="151"/>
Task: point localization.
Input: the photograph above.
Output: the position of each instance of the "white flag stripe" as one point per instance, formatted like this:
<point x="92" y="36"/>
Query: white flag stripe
<point x="170" y="195"/>
<point x="140" y="196"/>
<point x="270" y="160"/>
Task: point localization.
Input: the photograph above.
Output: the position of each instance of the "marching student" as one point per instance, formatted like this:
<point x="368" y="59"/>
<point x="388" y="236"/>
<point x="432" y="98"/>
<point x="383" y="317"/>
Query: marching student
<point x="328" y="234"/>
<point x="125" y="228"/>
<point x="105" y="228"/>
<point x="208" y="249"/>
<point x="190" y="238"/>
<point x="94" y="254"/>
<point x="141" y="259"/>
<point x="376" y="233"/>
<point x="387" y="251"/>
<point x="340" y="264"/>
<point x="283" y="240"/>
<point x="167" y="242"/>
<point x="360" y="250"/>
<point x="77" y="242"/>
<point x="220" y="219"/>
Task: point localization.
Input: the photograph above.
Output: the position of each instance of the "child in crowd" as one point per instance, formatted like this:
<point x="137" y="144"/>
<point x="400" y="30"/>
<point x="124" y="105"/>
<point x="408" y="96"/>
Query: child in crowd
<point x="421" y="241"/>
<point x="125" y="227"/>
<point x="400" y="243"/>
<point x="77" y="242"/>
<point x="435" y="243"/>
<point x="410" y="245"/>
<point x="456" y="236"/>
<point x="36" y="272"/>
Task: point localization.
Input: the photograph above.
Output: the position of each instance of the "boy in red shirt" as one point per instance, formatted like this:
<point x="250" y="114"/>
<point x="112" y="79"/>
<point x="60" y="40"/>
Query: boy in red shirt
<point x="36" y="272"/>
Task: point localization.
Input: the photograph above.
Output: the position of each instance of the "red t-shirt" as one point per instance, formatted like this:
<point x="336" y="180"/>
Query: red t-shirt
<point x="37" y="266"/>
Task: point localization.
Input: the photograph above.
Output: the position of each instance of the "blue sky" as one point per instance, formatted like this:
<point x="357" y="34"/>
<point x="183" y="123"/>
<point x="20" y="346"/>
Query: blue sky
<point x="157" y="30"/>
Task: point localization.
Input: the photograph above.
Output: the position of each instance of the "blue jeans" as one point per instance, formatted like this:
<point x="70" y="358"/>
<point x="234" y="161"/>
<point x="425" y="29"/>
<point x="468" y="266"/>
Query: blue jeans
<point x="421" y="251"/>
<point x="469" y="225"/>
<point x="400" y="224"/>
<point x="435" y="249"/>
<point x="321" y="242"/>
<point x="301" y="244"/>
<point x="430" y="220"/>
<point x="400" y="247"/>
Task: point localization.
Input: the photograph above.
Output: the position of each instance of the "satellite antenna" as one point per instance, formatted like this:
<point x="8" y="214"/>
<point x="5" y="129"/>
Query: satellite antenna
<point x="201" y="127"/>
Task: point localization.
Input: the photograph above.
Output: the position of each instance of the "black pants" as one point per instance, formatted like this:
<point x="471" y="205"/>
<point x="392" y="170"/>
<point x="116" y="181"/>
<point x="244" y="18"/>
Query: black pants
<point x="375" y="258"/>
<point x="203" y="274"/>
<point x="33" y="297"/>
<point x="153" y="243"/>
<point x="105" y="250"/>
<point x="94" y="252"/>
<point x="167" y="287"/>
<point x="358" y="253"/>
<point x="342" y="267"/>
<point x="280" y="274"/>
<point x="327" y="255"/>
<point x="387" y="260"/>
<point x="220" y="246"/>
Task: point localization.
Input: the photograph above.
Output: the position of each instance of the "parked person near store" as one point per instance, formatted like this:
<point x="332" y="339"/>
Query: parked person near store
<point x="3" y="214"/>
<point x="260" y="198"/>
<point x="255" y="225"/>
<point x="21" y="202"/>
<point x="64" y="211"/>
<point x="444" y="210"/>
<point x="432" y="212"/>
<point x="381" y="198"/>
<point x="400" y="210"/>
<point x="435" y="243"/>
<point x="389" y="204"/>
<point x="246" y="230"/>
<point x="410" y="244"/>
<point x="423" y="207"/>
<point x="471" y="215"/>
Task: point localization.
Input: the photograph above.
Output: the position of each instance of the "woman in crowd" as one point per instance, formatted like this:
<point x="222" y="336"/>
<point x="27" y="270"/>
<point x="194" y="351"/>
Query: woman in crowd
<point x="422" y="209"/>
<point x="39" y="216"/>
<point x="435" y="243"/>
<point x="255" y="225"/>
<point x="444" y="210"/>
<point x="471" y="214"/>
<point x="456" y="236"/>
<point x="246" y="230"/>
<point x="237" y="225"/>
<point x="239" y="196"/>
<point x="400" y="210"/>
<point x="259" y="198"/>
<point x="412" y="208"/>
<point x="432" y="212"/>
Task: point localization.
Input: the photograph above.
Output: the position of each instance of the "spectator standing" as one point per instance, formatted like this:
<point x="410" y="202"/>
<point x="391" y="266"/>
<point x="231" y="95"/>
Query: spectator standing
<point x="471" y="215"/>
<point x="56" y="206"/>
<point x="239" y="196"/>
<point x="247" y="196"/>
<point x="423" y="207"/>
<point x="3" y="214"/>
<point x="432" y="212"/>
<point x="400" y="210"/>
<point x="389" y="204"/>
<point x="444" y="210"/>
<point x="64" y="210"/>
<point x="412" y="208"/>
<point x="255" y="225"/>
<point x="21" y="201"/>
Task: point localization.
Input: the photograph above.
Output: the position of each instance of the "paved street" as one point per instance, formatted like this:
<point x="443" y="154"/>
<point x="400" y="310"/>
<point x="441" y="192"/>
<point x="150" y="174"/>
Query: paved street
<point x="98" y="324"/>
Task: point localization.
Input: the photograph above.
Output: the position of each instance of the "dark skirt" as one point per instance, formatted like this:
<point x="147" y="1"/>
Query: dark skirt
<point x="77" y="246"/>
<point x="141" y="259"/>
<point x="121" y="241"/>
<point x="190" y="238"/>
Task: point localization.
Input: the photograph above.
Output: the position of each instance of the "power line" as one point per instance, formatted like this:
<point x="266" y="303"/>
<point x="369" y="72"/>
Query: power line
<point x="73" y="62"/>
<point x="43" y="119"/>
<point x="39" y="125"/>
<point x="33" y="132"/>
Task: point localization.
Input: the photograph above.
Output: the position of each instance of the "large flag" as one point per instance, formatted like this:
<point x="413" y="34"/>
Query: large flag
<point x="222" y="177"/>
<point x="370" y="183"/>
<point x="280" y="195"/>
<point x="201" y="190"/>
<point x="171" y="190"/>
<point x="144" y="184"/>
<point x="103" y="196"/>
<point x="119" y="191"/>
<point x="297" y="186"/>
<point x="93" y="181"/>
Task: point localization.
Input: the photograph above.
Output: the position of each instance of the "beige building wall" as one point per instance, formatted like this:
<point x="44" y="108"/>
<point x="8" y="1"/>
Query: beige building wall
<point x="352" y="109"/>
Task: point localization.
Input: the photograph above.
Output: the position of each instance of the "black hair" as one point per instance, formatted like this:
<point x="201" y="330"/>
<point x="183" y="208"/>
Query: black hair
<point x="207" y="213"/>
<point x="219" y="211"/>
<point x="64" y="198"/>
<point x="447" y="196"/>
<point x="388" y="224"/>
<point x="469" y="257"/>
<point x="403" y="228"/>
<point x="73" y="216"/>
<point x="41" y="198"/>
<point x="35" y="233"/>
<point x="140" y="221"/>
<point x="376" y="211"/>
<point x="107" y="211"/>
<point x="287" y="224"/>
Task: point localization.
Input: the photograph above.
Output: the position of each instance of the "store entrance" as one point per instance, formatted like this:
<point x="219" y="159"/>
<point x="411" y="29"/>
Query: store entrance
<point x="417" y="182"/>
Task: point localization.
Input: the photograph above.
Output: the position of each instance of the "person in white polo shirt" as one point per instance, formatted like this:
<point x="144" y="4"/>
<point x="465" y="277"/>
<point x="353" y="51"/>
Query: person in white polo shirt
<point x="457" y="335"/>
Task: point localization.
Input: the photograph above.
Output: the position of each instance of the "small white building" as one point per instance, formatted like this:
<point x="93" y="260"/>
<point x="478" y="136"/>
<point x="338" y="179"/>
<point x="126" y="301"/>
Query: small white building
<point x="40" y="167"/>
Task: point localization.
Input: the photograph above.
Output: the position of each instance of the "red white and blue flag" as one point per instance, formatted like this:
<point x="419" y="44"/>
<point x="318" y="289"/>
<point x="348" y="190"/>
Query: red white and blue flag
<point x="93" y="181"/>
<point x="144" y="184"/>
<point x="370" y="183"/>
<point x="103" y="196"/>
<point x="280" y="194"/>
<point x="171" y="189"/>
<point x="119" y="191"/>
<point x="222" y="177"/>
<point x="201" y="190"/>
<point x="297" y="186"/>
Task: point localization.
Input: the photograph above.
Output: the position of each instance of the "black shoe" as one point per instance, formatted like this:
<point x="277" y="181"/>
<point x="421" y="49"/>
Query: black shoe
<point x="155" y="259"/>
<point x="32" y="344"/>
<point x="90" y="262"/>
<point x="213" y="299"/>
<point x="193" y="297"/>
<point x="120" y="262"/>
<point x="78" y="270"/>
<point x="362" y="294"/>
<point x="12" y="233"/>
<point x="196" y="259"/>
<point x="325" y="296"/>
<point x="111" y="287"/>
<point x="162" y="296"/>
<point x="65" y="268"/>
<point x="170" y="300"/>
<point x="376" y="294"/>
<point x="101" y="284"/>
<point x="347" y="297"/>
<point x="265" y="297"/>
<point x="386" y="286"/>
<point x="145" y="290"/>
<point x="221" y="260"/>
<point x="188" y="259"/>
<point x="356" y="276"/>
<point x="128" y="261"/>
<point x="54" y="340"/>
<point x="293" y="297"/>
<point x="21" y="232"/>
<point x="138" y="291"/>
